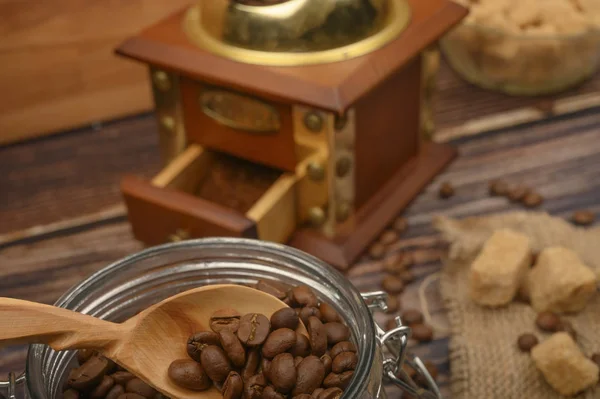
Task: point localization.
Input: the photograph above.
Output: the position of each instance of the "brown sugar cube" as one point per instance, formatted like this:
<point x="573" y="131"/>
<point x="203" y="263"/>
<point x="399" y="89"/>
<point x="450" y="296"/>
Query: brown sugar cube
<point x="563" y="365"/>
<point x="498" y="270"/>
<point x="560" y="282"/>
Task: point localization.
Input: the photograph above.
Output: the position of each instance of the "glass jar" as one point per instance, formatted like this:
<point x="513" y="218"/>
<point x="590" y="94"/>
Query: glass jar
<point x="132" y="284"/>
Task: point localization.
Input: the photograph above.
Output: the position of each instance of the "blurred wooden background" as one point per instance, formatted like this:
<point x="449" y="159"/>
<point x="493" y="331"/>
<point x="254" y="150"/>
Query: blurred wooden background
<point x="57" y="67"/>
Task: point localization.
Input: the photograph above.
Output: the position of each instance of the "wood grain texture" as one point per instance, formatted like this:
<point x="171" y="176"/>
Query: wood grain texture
<point x="58" y="69"/>
<point x="560" y="158"/>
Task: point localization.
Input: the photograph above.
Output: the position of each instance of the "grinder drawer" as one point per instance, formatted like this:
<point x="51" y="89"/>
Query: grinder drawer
<point x="203" y="193"/>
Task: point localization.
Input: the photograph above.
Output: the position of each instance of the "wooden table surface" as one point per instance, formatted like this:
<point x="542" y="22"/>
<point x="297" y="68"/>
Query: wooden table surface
<point x="74" y="176"/>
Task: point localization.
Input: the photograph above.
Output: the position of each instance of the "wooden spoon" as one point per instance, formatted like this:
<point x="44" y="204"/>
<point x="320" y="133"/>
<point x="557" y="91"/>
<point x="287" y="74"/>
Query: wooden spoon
<point x="147" y="343"/>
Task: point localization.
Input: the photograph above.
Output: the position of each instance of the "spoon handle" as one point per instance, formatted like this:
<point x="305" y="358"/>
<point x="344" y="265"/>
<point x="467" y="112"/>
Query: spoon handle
<point x="31" y="322"/>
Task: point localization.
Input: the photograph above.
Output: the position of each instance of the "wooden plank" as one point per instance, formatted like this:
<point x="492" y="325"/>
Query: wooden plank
<point x="58" y="69"/>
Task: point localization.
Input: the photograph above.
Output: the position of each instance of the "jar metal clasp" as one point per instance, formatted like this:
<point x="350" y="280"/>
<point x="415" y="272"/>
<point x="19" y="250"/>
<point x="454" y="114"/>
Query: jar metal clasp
<point x="396" y="341"/>
<point x="10" y="386"/>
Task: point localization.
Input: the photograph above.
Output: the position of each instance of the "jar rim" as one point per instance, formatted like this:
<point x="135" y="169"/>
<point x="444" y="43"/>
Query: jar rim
<point x="35" y="381"/>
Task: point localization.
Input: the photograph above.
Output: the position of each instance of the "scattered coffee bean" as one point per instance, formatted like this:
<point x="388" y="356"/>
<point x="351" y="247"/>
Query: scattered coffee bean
<point x="253" y="389"/>
<point x="526" y="342"/>
<point x="394" y="264"/>
<point x="254" y="329"/>
<point x="317" y="336"/>
<point x="265" y="366"/>
<point x="400" y="224"/>
<point x="316" y="392"/>
<point x="284" y="318"/>
<point x="338" y="380"/>
<point x="376" y="251"/>
<point x="330" y="393"/>
<point x="139" y="387"/>
<point x="392" y="284"/>
<point x="283" y="373"/>
<point x="596" y="358"/>
<point x="189" y="374"/>
<point x="446" y="190"/>
<point x="88" y="374"/>
<point x="517" y="194"/>
<point x="547" y="321"/>
<point x="343" y="362"/>
<point x="278" y="341"/>
<point x="411" y="317"/>
<point x="303" y="296"/>
<point x="308" y="311"/>
<point x="327" y="362"/>
<point x="233" y="348"/>
<point x="311" y="373"/>
<point x="301" y="346"/>
<point x="532" y="200"/>
<point x="122" y="377"/>
<point x="225" y="319"/>
<point x="498" y="188"/>
<point x="407" y="276"/>
<point x="338" y="348"/>
<point x="388" y="237"/>
<point x="270" y="393"/>
<point x="71" y="394"/>
<point x="422" y="332"/>
<point x="114" y="392"/>
<point x="233" y="386"/>
<point x="328" y="313"/>
<point x="252" y="363"/>
<point x="83" y="355"/>
<point x="583" y="217"/>
<point x="199" y="341"/>
<point x="297" y="360"/>
<point x="102" y="389"/>
<point x="336" y="332"/>
<point x="302" y="396"/>
<point x="393" y="304"/>
<point x="270" y="288"/>
<point x="567" y="327"/>
<point x="131" y="395"/>
<point x="215" y="363"/>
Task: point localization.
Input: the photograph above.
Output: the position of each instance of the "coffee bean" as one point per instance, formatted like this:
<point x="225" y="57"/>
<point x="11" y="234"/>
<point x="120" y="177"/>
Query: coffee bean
<point x="547" y="321"/>
<point x="567" y="327"/>
<point x="83" y="355"/>
<point x="393" y="304"/>
<point x="392" y="284"/>
<point x="446" y="190"/>
<point x="112" y="366"/>
<point x="215" y="363"/>
<point x="199" y="341"/>
<point x="307" y="312"/>
<point x="316" y="392"/>
<point x="532" y="200"/>
<point x="336" y="332"/>
<point x="233" y="348"/>
<point x="422" y="332"/>
<point x="302" y="396"/>
<point x="407" y="276"/>
<point x="301" y="346"/>
<point x="114" y="393"/>
<point x="345" y="346"/>
<point x="282" y="372"/>
<point x="400" y="225"/>
<point x="122" y="377"/>
<point x="254" y="329"/>
<point x="338" y="380"/>
<point x="270" y="393"/>
<point x="88" y="374"/>
<point x="317" y="336"/>
<point x="102" y="389"/>
<point x="265" y="366"/>
<point x="189" y="374"/>
<point x="526" y="342"/>
<point x="297" y="360"/>
<point x="303" y="296"/>
<point x="328" y="313"/>
<point x="233" y="386"/>
<point x="278" y="341"/>
<point x="411" y="316"/>
<point x="394" y="264"/>
<point x="270" y="288"/>
<point x="332" y="393"/>
<point x="517" y="193"/>
<point x="130" y="395"/>
<point x="498" y="188"/>
<point x="311" y="373"/>
<point x="327" y="363"/>
<point x="596" y="358"/>
<point x="254" y="387"/>
<point x="225" y="319"/>
<point x="70" y="394"/>
<point x="284" y="318"/>
<point x="252" y="363"/>
<point x="388" y="237"/>
<point x="343" y="362"/>
<point x="583" y="217"/>
<point x="376" y="251"/>
<point x="139" y="387"/>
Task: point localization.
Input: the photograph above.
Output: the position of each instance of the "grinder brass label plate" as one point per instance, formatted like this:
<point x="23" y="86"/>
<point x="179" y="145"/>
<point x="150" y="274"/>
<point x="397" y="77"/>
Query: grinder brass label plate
<point x="239" y="111"/>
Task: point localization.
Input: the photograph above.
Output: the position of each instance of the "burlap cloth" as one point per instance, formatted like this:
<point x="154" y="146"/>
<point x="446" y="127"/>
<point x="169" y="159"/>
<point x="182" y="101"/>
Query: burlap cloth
<point x="484" y="360"/>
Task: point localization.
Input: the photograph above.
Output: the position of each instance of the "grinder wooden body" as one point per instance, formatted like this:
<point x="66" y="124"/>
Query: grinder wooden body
<point x="345" y="136"/>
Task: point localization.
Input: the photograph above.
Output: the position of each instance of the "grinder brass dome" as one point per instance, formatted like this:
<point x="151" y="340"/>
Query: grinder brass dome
<point x="295" y="32"/>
